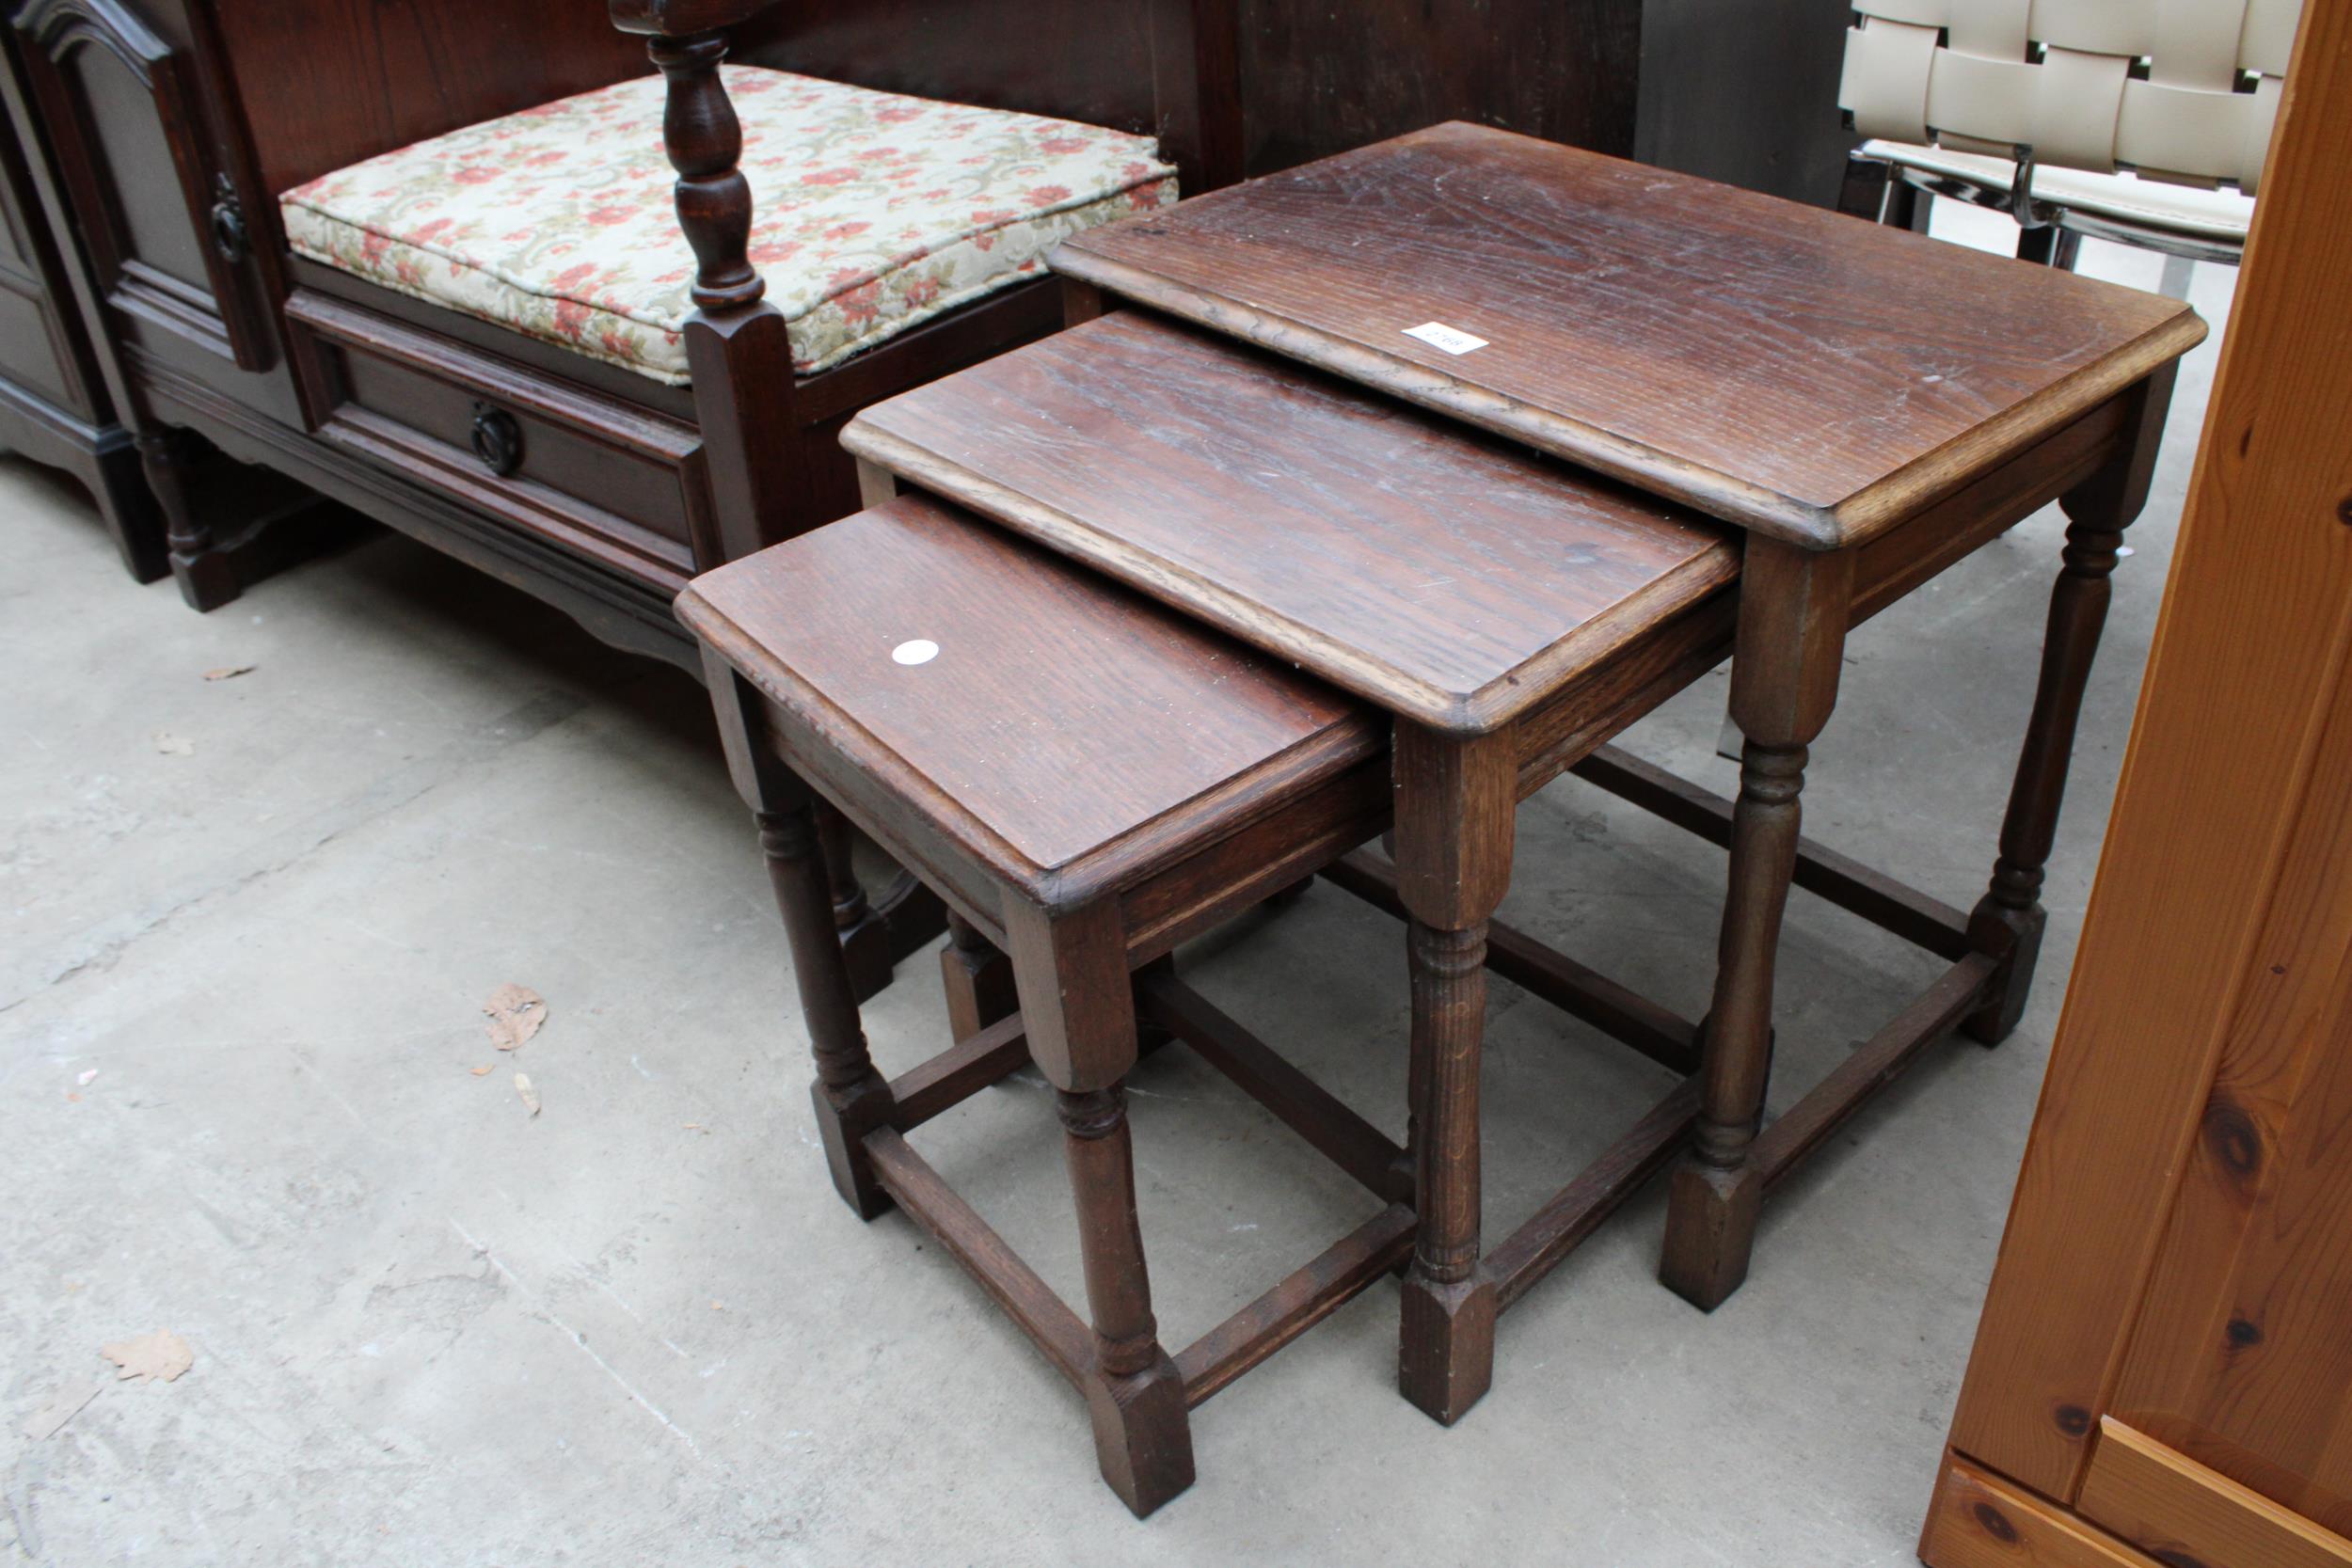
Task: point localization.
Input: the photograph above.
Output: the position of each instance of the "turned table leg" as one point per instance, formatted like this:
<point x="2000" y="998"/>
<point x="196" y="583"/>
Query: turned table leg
<point x="1784" y="681"/>
<point x="862" y="932"/>
<point x="977" y="978"/>
<point x="1078" y="1001"/>
<point x="2008" y="922"/>
<point x="851" y="1098"/>
<point x="1142" y="1435"/>
<point x="1455" y="799"/>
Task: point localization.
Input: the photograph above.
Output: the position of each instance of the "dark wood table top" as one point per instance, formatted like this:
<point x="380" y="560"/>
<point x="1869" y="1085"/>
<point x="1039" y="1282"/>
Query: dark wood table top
<point x="1794" y="371"/>
<point x="1064" y="721"/>
<point x="1443" y="573"/>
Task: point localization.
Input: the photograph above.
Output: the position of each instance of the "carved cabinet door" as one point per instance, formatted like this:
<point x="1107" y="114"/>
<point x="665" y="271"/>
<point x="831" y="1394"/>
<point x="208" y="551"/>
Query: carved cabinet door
<point x="150" y="176"/>
<point x="42" y="348"/>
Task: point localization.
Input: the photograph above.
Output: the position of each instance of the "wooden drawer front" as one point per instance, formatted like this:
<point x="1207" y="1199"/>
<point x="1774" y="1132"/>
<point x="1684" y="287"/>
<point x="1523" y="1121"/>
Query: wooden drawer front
<point x="619" y="484"/>
<point x="2179" y="1511"/>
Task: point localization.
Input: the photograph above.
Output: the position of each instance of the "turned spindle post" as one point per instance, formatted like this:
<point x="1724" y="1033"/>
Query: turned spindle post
<point x="769" y="477"/>
<point x="705" y="143"/>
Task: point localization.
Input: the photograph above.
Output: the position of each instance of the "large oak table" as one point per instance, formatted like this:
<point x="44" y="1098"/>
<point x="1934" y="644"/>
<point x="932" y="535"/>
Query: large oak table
<point x="1863" y="407"/>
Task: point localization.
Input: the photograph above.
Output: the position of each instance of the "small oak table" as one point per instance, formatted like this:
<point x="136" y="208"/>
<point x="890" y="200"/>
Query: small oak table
<point x="1864" y="405"/>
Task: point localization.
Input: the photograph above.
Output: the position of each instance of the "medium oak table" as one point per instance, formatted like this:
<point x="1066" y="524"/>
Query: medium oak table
<point x="1864" y="406"/>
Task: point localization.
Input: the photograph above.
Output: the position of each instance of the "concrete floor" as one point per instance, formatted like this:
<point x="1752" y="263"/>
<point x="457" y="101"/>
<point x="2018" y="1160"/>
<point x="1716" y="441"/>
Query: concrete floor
<point x="429" y="1329"/>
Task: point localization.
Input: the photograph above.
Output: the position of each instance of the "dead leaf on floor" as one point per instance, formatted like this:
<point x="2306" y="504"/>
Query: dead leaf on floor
<point x="174" y="745"/>
<point x="515" y="1013"/>
<point x="718" y="1307"/>
<point x="530" y="1094"/>
<point x="479" y="1071"/>
<point x="63" y="1406"/>
<point x="160" y="1354"/>
<point x="228" y="672"/>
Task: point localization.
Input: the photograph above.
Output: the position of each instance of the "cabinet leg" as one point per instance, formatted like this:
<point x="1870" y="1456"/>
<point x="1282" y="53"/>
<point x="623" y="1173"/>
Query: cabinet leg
<point x="118" y="483"/>
<point x="207" y="579"/>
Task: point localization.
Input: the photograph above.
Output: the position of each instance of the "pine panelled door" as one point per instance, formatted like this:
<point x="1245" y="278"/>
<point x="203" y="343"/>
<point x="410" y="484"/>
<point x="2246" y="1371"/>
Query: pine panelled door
<point x="2163" y="1374"/>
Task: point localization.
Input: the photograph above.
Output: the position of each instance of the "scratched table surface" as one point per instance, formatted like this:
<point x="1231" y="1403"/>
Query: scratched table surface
<point x="1435" y="570"/>
<point x="1794" y="371"/>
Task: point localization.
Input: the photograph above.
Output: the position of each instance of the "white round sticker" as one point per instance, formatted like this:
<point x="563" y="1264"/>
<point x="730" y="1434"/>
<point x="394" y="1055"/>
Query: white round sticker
<point x="920" y="650"/>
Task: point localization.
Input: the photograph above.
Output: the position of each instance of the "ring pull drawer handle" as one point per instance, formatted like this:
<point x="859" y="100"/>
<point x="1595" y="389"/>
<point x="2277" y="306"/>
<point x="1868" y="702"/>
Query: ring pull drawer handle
<point x="229" y="237"/>
<point x="497" y="440"/>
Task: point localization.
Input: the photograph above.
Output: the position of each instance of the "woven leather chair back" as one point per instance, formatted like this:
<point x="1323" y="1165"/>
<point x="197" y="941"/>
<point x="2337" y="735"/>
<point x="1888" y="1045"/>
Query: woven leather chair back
<point x="2062" y="81"/>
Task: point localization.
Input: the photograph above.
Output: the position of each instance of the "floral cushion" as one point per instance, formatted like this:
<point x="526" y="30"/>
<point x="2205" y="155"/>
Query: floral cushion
<point x="871" y="211"/>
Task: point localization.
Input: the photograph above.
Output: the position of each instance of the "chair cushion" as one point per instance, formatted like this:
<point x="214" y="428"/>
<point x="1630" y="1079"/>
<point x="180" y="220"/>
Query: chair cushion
<point x="872" y="212"/>
<point x="2150" y="204"/>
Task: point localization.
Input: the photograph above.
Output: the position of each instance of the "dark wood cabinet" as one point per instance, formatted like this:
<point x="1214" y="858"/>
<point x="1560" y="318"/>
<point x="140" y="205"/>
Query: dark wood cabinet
<point x="54" y="406"/>
<point x="153" y="178"/>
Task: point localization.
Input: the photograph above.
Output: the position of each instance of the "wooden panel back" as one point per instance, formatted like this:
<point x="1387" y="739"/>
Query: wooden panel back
<point x="2217" y="822"/>
<point x="1166" y="68"/>
<point x="1322" y="78"/>
<point x="1086" y="61"/>
<point x="327" y="83"/>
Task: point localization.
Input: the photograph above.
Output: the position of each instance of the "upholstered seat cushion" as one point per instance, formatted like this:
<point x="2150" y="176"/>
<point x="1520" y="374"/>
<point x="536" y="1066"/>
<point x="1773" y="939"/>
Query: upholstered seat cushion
<point x="2214" y="214"/>
<point x="871" y="211"/>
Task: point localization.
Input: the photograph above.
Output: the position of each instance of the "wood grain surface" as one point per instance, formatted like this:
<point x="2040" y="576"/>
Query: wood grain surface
<point x="1774" y="365"/>
<point x="1061" y="712"/>
<point x="1439" y="573"/>
<point x="1979" y="1521"/>
<point x="2181" y="1511"/>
